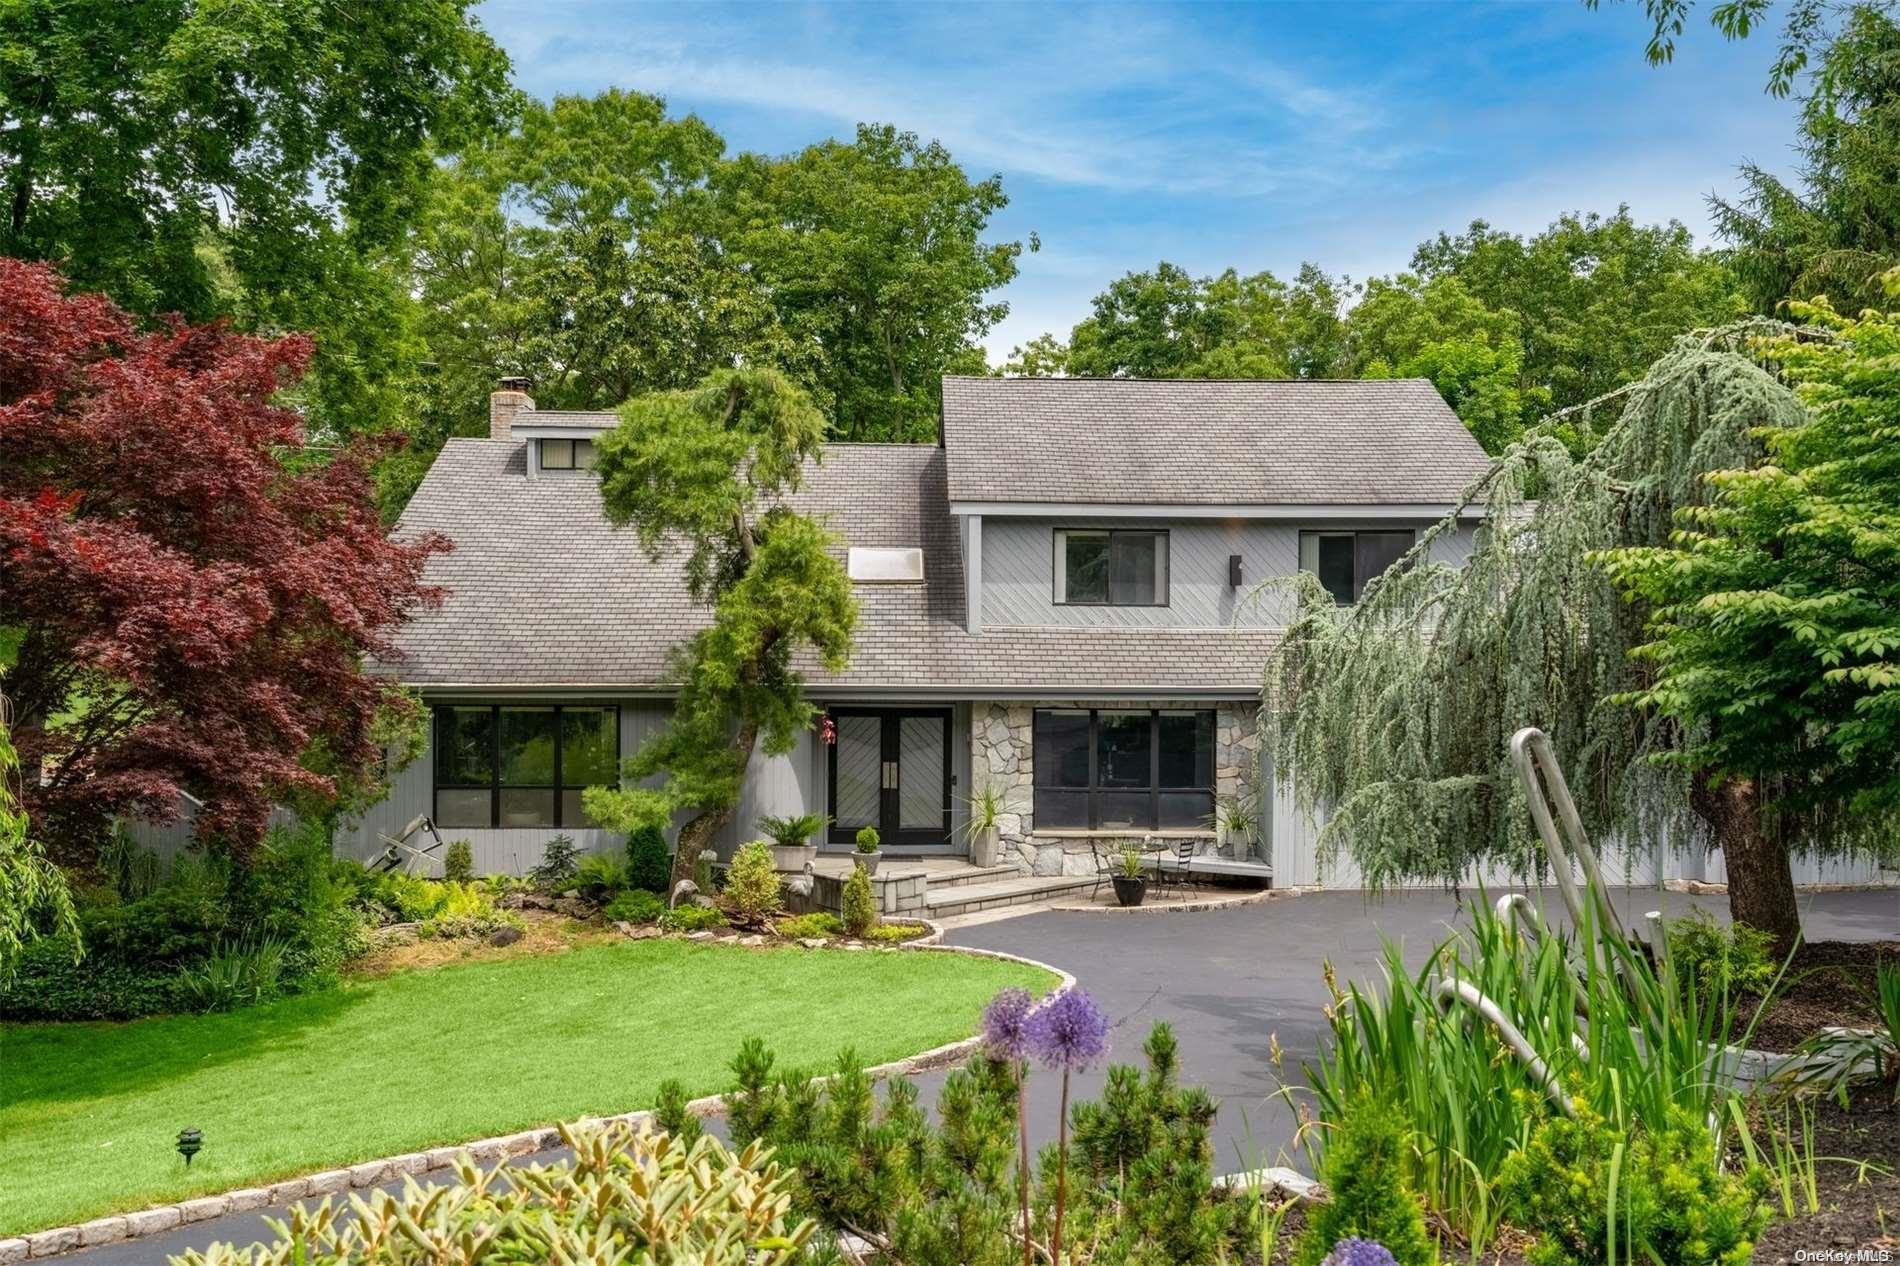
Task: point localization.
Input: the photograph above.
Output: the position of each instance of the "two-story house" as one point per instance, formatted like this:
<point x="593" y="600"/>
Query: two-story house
<point x="1060" y="600"/>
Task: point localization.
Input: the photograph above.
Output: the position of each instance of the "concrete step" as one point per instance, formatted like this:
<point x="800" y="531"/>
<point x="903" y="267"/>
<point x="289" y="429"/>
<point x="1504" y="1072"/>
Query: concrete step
<point x="963" y="876"/>
<point x="944" y="903"/>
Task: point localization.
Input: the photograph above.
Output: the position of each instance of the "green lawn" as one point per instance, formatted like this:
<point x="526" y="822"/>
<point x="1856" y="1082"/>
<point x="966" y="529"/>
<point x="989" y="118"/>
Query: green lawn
<point x="427" y="1058"/>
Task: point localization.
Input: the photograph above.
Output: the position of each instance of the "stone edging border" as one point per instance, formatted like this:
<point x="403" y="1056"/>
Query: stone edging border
<point x="115" y="1228"/>
<point x="1180" y="907"/>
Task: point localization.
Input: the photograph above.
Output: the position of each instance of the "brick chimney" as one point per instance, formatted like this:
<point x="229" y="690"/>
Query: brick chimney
<point x="511" y="398"/>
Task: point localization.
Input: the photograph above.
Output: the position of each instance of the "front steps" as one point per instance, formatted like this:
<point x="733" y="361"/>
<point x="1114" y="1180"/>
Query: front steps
<point x="996" y="887"/>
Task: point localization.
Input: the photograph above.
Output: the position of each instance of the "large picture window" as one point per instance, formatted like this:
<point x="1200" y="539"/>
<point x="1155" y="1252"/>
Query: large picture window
<point x="1346" y="562"/>
<point x="509" y="766"/>
<point x="1096" y="567"/>
<point x="1123" y="770"/>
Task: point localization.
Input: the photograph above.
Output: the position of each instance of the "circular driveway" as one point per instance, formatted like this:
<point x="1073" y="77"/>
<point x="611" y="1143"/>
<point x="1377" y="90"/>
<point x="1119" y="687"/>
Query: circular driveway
<point x="1229" y="981"/>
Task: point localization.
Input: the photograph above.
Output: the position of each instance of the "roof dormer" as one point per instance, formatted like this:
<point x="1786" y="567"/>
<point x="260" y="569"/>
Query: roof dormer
<point x="559" y="441"/>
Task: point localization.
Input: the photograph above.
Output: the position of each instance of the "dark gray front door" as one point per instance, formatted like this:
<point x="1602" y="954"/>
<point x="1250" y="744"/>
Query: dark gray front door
<point x="890" y="768"/>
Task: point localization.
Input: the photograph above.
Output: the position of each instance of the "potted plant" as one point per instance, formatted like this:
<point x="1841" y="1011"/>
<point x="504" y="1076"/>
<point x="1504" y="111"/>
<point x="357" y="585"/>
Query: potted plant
<point x="791" y="840"/>
<point x="981" y="832"/>
<point x="868" y="851"/>
<point x="1233" y="822"/>
<point x="1130" y="884"/>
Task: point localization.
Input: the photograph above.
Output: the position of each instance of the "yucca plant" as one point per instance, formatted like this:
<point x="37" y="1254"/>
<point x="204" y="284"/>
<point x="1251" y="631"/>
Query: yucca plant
<point x="1835" y="1060"/>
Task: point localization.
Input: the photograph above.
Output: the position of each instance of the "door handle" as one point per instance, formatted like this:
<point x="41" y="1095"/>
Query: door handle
<point x="890" y="775"/>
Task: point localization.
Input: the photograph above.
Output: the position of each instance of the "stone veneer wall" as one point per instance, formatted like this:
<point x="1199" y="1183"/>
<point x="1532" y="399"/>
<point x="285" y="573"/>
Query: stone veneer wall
<point x="1002" y="754"/>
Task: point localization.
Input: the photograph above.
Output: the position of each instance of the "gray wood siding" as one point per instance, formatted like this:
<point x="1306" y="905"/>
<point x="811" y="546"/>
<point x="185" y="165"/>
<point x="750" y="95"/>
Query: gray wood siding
<point x="1018" y="559"/>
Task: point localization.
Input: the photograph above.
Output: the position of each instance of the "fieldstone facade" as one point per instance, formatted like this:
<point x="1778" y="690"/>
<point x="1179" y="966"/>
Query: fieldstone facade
<point x="1002" y="754"/>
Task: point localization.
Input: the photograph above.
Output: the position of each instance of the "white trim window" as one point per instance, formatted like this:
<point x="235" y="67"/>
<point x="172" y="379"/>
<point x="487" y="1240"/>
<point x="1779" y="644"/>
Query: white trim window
<point x="567" y="454"/>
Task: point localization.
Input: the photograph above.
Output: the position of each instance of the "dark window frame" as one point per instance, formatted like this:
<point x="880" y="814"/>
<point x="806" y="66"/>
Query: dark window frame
<point x="1059" y="570"/>
<point x="1095" y="789"/>
<point x="494" y="786"/>
<point x="573" y="453"/>
<point x="1359" y="582"/>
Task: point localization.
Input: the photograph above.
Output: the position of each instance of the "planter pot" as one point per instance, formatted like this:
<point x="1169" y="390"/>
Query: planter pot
<point x="867" y="862"/>
<point x="984" y="846"/>
<point x="1130" y="889"/>
<point x="792" y="858"/>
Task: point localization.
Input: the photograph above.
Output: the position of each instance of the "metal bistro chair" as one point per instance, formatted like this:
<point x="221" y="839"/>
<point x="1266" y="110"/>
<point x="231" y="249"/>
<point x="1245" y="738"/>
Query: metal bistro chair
<point x="1104" y="868"/>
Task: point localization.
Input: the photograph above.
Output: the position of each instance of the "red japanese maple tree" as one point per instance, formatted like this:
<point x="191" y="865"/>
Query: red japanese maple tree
<point x="190" y="596"/>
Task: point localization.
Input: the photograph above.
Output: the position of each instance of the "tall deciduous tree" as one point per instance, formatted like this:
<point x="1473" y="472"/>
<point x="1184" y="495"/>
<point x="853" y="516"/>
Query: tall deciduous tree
<point x="248" y="158"/>
<point x="1169" y="324"/>
<point x="1840" y="230"/>
<point x="874" y="256"/>
<point x="1598" y="298"/>
<point x="1775" y="625"/>
<point x="709" y="468"/>
<point x="191" y="609"/>
<point x="577" y="252"/>
<point x="1396" y="714"/>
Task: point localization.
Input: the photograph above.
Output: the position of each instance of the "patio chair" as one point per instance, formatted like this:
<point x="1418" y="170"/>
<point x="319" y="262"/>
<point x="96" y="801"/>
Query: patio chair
<point x="1184" y="862"/>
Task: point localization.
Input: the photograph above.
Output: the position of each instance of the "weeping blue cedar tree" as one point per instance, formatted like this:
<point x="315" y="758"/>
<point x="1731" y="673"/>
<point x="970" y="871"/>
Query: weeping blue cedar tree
<point x="707" y="470"/>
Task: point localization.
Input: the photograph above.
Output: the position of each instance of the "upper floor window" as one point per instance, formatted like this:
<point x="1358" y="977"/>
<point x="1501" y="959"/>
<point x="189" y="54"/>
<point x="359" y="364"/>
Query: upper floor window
<point x="1100" y="567"/>
<point x="1346" y="562"/>
<point x="567" y="454"/>
<point x="521" y="766"/>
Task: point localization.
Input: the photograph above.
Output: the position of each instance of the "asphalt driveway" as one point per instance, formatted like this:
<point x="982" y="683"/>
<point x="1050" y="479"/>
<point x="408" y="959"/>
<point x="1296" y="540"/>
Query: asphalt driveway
<point x="1228" y="981"/>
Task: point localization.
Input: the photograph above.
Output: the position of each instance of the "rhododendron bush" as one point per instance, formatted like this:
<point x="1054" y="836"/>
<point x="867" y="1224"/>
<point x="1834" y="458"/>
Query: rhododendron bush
<point x="188" y="597"/>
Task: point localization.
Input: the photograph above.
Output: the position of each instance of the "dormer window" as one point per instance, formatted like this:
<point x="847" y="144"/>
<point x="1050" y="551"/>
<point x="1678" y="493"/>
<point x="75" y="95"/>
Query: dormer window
<point x="567" y="454"/>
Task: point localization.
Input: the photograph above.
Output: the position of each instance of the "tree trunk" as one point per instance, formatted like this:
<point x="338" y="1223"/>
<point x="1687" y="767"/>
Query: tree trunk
<point x="698" y="833"/>
<point x="1760" y="881"/>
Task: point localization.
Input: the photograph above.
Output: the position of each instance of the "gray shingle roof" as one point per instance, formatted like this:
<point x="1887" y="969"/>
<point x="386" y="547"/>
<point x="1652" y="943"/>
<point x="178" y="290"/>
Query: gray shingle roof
<point x="542" y="591"/>
<point x="1194" y="442"/>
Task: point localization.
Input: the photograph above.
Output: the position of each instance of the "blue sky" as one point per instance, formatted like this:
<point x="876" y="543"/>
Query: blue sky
<point x="1255" y="136"/>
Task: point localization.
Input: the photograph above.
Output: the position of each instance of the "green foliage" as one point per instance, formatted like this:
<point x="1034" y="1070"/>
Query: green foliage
<point x="466" y="912"/>
<point x="1720" y="959"/>
<point x="1167" y="324"/>
<point x="873" y="257"/>
<point x="946" y="1193"/>
<point x="860" y="907"/>
<point x="986" y="805"/>
<point x="635" y="905"/>
<point x="624" y="1197"/>
<point x="1129" y="864"/>
<point x="671" y="1114"/>
<point x="34" y="894"/>
<point x="1364" y="1173"/>
<point x="701" y="465"/>
<point x="560" y="863"/>
<point x="752" y="892"/>
<point x="792" y="832"/>
<point x="600" y="876"/>
<point x="1594" y="1190"/>
<point x="648" y="860"/>
<point x="820" y="923"/>
<point x="1617" y="1035"/>
<point x="1397" y="712"/>
<point x="692" y="919"/>
<point x="262" y="163"/>
<point x="867" y="839"/>
<point x="1145" y="1149"/>
<point x="1774" y="629"/>
<point x="234" y="976"/>
<point x="458" y="862"/>
<point x="212" y="931"/>
<point x="1837" y="231"/>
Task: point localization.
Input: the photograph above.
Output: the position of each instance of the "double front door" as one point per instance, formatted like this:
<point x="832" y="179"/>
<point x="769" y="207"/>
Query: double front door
<point x="890" y="768"/>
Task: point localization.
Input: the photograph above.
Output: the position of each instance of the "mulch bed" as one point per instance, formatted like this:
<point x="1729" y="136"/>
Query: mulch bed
<point x="1858" y="1210"/>
<point x="1829" y="983"/>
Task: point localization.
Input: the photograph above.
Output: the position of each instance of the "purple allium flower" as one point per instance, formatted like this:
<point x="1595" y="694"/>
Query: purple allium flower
<point x="1003" y="1022"/>
<point x="1358" y="1252"/>
<point x="1068" y="1031"/>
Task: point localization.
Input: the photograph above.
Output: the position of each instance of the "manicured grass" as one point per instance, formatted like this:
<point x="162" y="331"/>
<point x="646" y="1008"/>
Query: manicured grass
<point x="89" y="1112"/>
